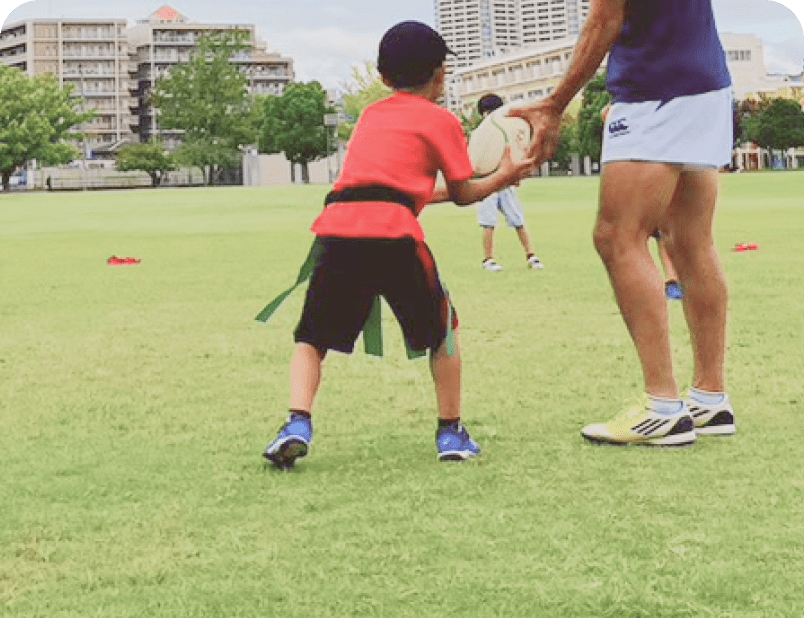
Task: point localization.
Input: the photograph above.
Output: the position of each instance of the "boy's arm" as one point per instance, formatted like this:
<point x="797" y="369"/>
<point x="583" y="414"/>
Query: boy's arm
<point x="475" y="189"/>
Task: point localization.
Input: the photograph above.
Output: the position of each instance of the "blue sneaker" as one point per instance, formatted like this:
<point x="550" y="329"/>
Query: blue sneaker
<point x="455" y="444"/>
<point x="673" y="290"/>
<point x="292" y="443"/>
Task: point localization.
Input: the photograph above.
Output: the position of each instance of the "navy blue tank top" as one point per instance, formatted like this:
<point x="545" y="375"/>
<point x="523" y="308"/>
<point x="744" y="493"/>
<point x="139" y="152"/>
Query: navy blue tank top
<point x="667" y="49"/>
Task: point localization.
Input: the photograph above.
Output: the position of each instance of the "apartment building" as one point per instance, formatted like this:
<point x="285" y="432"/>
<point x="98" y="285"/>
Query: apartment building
<point x="114" y="67"/>
<point x="167" y="38"/>
<point x="90" y="55"/>
<point x="530" y="72"/>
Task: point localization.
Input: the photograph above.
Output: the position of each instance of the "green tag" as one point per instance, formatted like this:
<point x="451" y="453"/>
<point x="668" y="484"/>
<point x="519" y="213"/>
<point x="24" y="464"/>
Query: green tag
<point x="372" y="330"/>
<point x="305" y="271"/>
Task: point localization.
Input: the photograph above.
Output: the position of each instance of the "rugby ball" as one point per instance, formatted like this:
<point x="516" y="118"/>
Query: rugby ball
<point x="488" y="141"/>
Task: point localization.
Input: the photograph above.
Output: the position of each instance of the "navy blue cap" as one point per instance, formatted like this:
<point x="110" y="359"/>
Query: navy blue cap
<point x="488" y="103"/>
<point x="409" y="52"/>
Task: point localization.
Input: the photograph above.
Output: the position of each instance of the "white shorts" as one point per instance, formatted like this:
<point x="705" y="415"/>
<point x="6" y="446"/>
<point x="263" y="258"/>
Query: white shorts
<point x="695" y="130"/>
<point x="504" y="201"/>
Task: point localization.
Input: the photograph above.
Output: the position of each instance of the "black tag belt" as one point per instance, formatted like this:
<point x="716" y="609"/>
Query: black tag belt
<point x="374" y="193"/>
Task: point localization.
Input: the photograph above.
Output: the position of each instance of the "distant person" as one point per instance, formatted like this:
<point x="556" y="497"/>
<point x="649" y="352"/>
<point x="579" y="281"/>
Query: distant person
<point x="672" y="289"/>
<point x="372" y="244"/>
<point x="669" y="130"/>
<point x="505" y="202"/>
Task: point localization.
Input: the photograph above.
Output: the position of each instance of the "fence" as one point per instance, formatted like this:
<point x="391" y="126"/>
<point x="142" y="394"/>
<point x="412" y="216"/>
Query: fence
<point x="78" y="179"/>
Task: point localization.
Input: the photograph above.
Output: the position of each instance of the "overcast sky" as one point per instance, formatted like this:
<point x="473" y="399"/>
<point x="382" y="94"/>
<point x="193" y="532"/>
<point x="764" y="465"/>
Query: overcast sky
<point x="326" y="38"/>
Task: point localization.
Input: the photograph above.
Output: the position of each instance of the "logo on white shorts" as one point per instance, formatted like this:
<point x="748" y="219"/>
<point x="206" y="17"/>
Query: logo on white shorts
<point x="618" y="127"/>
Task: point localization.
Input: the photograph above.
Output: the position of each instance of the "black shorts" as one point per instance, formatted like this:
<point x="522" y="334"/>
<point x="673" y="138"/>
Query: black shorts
<point x="351" y="273"/>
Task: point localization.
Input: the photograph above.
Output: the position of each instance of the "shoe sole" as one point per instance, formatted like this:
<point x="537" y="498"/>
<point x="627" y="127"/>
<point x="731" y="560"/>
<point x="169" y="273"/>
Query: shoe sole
<point x="722" y="431"/>
<point x="678" y="440"/>
<point x="286" y="455"/>
<point x="721" y="423"/>
<point x="457" y="456"/>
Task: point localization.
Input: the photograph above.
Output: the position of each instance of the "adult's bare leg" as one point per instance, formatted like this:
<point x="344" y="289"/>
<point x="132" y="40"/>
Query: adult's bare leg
<point x="691" y="247"/>
<point x="634" y="198"/>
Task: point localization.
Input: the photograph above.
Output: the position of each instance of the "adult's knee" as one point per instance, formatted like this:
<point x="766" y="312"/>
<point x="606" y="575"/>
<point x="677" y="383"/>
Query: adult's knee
<point x="604" y="237"/>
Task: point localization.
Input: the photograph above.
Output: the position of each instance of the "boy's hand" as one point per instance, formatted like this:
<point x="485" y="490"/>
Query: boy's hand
<point x="515" y="171"/>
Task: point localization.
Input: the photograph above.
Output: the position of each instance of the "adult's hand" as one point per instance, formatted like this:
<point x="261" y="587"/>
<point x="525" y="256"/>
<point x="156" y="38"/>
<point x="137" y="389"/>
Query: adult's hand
<point x="545" y="121"/>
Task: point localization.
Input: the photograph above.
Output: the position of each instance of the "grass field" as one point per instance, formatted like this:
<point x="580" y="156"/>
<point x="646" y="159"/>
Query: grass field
<point x="135" y="403"/>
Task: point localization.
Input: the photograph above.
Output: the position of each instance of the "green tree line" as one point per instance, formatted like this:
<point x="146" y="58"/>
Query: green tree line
<point x="207" y="102"/>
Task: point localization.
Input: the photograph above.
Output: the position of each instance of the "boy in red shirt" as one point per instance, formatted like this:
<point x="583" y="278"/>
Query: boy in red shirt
<point x="372" y="243"/>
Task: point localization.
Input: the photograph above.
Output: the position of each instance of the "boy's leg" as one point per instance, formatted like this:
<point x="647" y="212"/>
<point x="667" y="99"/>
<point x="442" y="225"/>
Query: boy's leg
<point x="296" y="435"/>
<point x="452" y="440"/>
<point x="446" y="372"/>
<point x="305" y="376"/>
<point x="488" y="243"/>
<point x="524" y="238"/>
<point x="487" y="219"/>
<point x="672" y="289"/>
<point x="511" y="208"/>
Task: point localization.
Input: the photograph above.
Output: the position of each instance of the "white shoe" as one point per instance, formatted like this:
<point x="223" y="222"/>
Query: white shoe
<point x="714" y="420"/>
<point x="490" y="264"/>
<point x="534" y="262"/>
<point x="644" y="427"/>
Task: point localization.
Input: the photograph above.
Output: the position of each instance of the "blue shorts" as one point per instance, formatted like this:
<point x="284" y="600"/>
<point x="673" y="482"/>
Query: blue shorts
<point x="694" y="131"/>
<point x="504" y="201"/>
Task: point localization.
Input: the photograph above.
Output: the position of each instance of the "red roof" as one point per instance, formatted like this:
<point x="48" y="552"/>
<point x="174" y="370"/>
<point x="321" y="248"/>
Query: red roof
<point x="166" y="13"/>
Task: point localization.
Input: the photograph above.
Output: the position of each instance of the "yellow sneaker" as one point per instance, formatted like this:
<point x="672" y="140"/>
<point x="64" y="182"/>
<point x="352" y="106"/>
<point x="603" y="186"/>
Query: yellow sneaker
<point x="644" y="427"/>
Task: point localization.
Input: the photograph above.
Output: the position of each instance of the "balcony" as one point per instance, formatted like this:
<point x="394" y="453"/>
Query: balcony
<point x="88" y="34"/>
<point x="89" y="53"/>
<point x="174" y="38"/>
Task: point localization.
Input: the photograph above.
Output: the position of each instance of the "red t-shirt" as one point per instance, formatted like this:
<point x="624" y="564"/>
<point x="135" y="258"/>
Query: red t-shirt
<point x="402" y="143"/>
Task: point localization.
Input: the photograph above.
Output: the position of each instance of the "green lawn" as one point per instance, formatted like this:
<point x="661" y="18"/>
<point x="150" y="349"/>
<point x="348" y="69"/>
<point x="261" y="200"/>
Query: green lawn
<point x="135" y="403"/>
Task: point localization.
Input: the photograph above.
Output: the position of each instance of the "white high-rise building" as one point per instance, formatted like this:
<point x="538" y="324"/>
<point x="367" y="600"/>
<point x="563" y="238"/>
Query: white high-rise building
<point x="477" y="29"/>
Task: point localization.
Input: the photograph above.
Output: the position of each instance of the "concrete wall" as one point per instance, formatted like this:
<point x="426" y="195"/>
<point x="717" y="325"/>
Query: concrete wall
<point x="274" y="169"/>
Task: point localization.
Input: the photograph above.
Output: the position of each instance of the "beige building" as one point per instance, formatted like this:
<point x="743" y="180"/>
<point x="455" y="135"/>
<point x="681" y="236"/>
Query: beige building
<point x="533" y="71"/>
<point x="746" y="59"/>
<point x="530" y="72"/>
<point x="92" y="56"/>
<point x="114" y="67"/>
<point x="167" y="38"/>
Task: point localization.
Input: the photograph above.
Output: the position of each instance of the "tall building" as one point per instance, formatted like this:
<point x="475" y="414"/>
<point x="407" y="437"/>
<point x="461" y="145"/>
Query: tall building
<point x="92" y="56"/>
<point x="114" y="67"/>
<point x="477" y="29"/>
<point x="167" y="38"/>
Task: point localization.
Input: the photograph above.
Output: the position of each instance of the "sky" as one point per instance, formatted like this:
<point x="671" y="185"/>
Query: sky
<point x="327" y="38"/>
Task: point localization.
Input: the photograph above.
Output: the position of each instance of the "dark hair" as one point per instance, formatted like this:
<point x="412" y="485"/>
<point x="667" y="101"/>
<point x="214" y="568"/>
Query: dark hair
<point x="410" y="52"/>
<point x="488" y="103"/>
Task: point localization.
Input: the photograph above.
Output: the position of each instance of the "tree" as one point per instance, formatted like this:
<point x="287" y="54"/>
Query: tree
<point x="207" y="99"/>
<point x="778" y="126"/>
<point x="589" y="133"/>
<point x="365" y="88"/>
<point x="152" y="158"/>
<point x="36" y="119"/>
<point x="294" y="124"/>
<point x="567" y="144"/>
